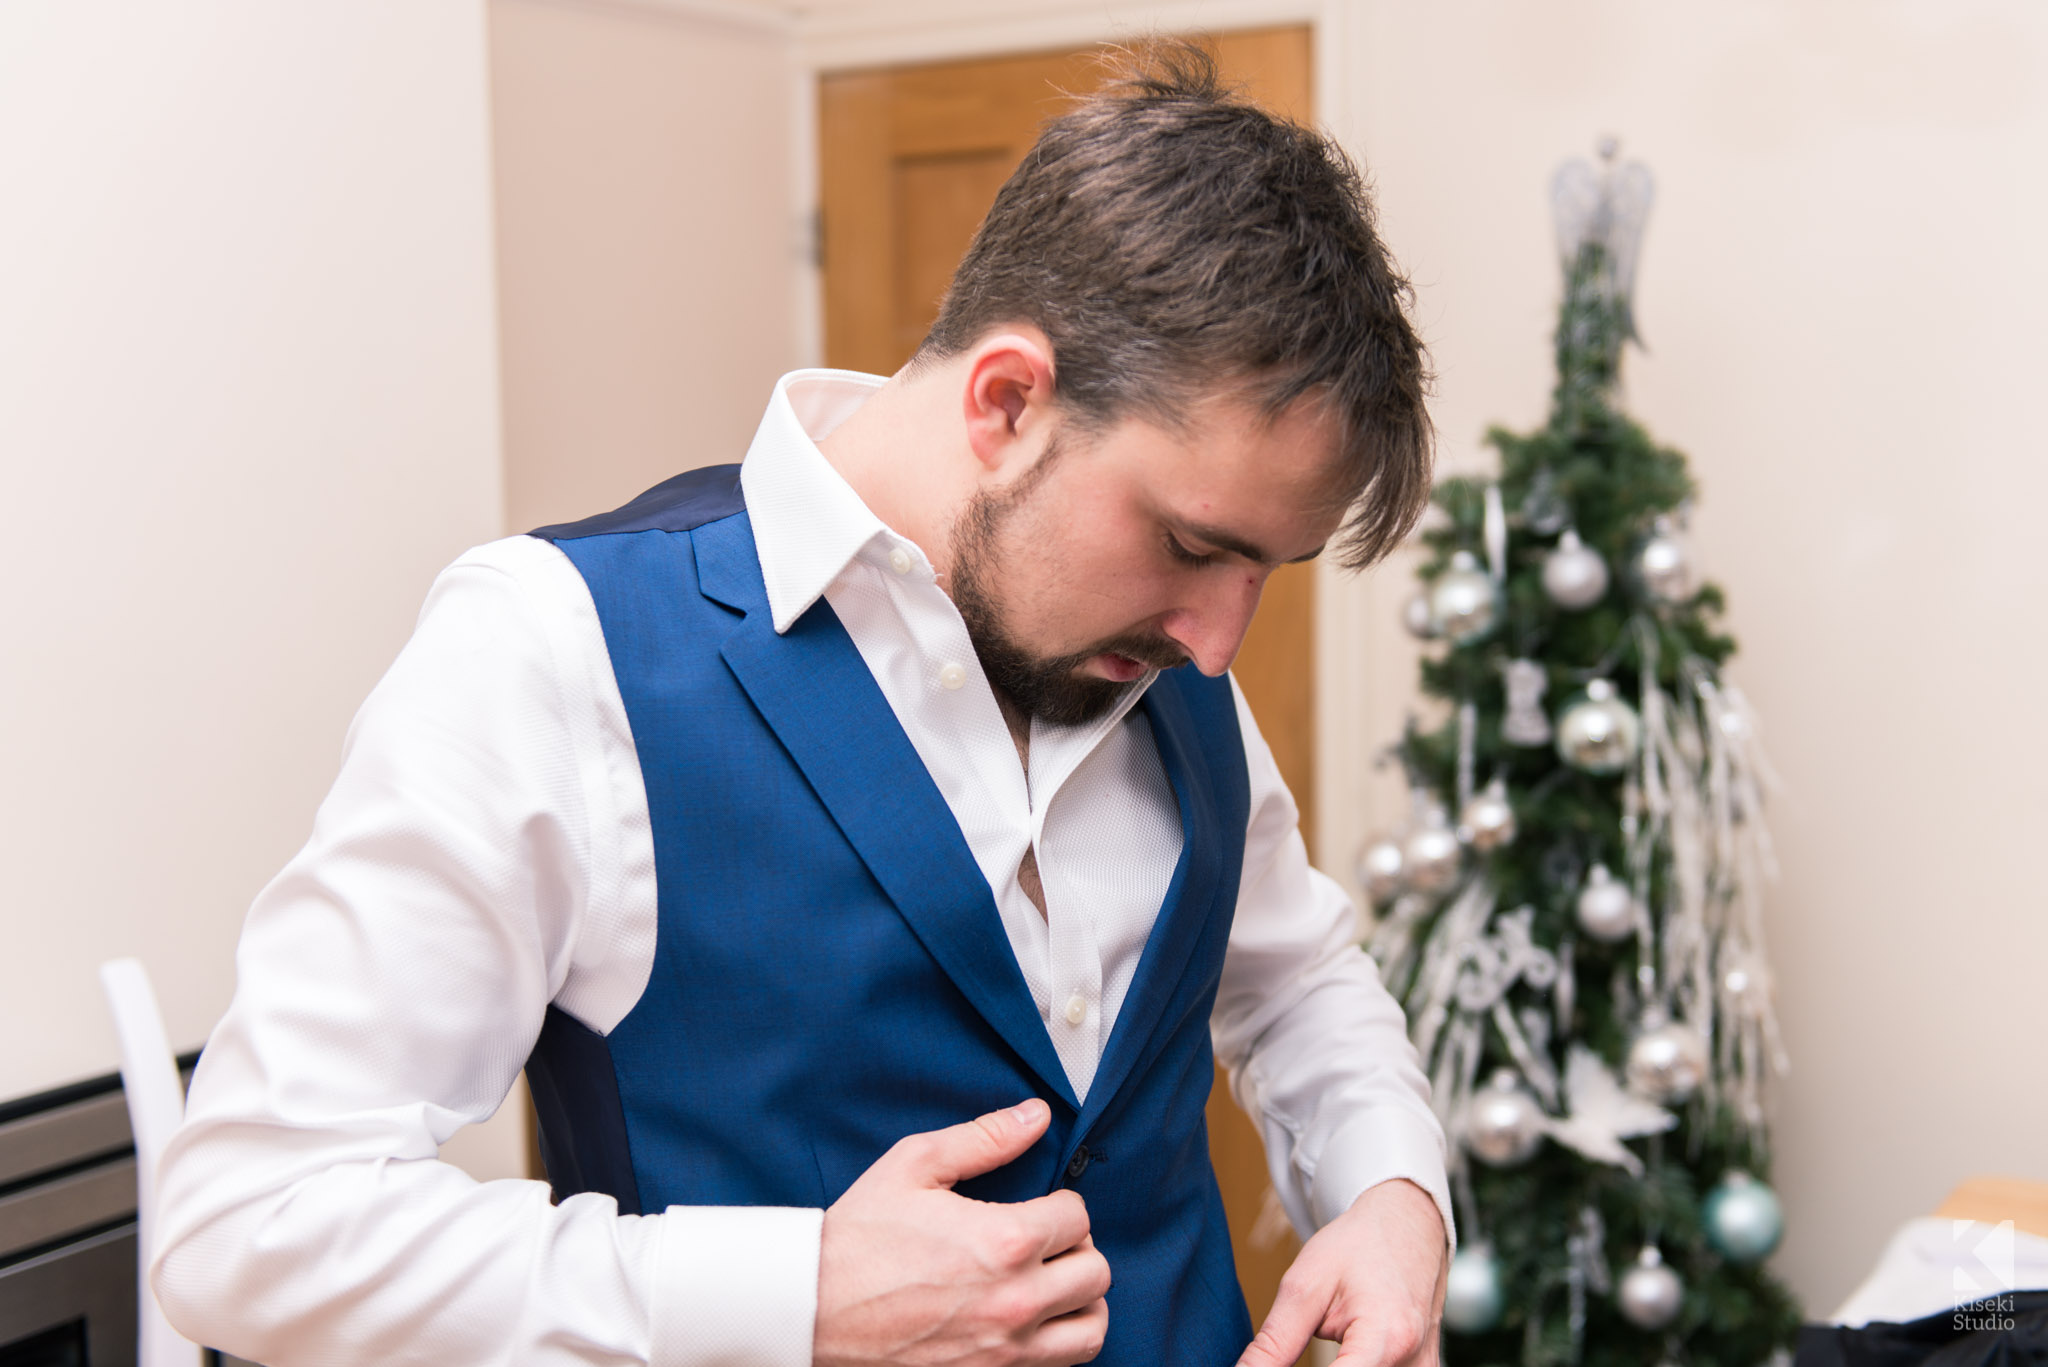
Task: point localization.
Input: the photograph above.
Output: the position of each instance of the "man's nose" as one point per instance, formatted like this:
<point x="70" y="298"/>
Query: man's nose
<point x="1211" y="624"/>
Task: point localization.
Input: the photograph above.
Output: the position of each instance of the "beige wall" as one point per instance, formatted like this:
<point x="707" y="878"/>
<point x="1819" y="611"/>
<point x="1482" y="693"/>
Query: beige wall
<point x="647" y="245"/>
<point x="1842" y="292"/>
<point x="248" y="406"/>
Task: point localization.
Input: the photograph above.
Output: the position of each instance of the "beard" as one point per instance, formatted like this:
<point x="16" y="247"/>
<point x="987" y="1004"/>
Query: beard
<point x="1051" y="688"/>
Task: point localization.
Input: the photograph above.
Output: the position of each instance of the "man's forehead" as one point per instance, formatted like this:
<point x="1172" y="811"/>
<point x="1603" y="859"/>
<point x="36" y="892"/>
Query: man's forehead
<point x="1272" y="488"/>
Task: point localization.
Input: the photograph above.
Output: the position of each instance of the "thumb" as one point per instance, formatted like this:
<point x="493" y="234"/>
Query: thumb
<point x="939" y="1158"/>
<point x="1284" y="1336"/>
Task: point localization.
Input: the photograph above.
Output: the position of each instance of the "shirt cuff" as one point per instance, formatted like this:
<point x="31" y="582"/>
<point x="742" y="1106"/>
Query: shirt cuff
<point x="736" y="1286"/>
<point x="1378" y="1148"/>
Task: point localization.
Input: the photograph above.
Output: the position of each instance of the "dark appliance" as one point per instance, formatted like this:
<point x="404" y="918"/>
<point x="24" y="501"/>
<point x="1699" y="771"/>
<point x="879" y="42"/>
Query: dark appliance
<point x="67" y="1227"/>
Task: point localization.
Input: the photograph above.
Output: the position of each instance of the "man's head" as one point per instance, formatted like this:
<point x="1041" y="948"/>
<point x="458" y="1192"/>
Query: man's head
<point x="1140" y="546"/>
<point x="1184" y="359"/>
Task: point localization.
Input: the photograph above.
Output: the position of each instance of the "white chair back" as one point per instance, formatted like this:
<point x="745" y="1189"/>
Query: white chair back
<point x="156" y="1105"/>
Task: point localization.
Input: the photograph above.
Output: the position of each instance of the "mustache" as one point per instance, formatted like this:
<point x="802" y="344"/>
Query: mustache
<point x="1155" y="652"/>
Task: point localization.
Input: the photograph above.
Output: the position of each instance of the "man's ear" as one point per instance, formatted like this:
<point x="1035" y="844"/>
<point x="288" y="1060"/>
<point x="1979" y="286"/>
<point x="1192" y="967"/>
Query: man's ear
<point x="1008" y="399"/>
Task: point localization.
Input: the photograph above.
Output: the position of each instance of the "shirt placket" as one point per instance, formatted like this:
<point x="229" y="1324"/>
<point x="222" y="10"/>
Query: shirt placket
<point x="1079" y="1025"/>
<point x="962" y="716"/>
<point x="1074" y="968"/>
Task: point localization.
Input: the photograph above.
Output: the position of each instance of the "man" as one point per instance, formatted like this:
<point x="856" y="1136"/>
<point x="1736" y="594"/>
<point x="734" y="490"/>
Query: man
<point x="860" y="851"/>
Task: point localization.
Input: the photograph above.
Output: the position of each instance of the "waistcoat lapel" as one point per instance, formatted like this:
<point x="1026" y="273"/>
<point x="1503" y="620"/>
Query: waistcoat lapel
<point x="814" y="690"/>
<point x="1183" y="916"/>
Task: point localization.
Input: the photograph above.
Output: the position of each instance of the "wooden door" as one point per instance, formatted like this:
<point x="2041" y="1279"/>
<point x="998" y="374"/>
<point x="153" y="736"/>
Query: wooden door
<point x="910" y="159"/>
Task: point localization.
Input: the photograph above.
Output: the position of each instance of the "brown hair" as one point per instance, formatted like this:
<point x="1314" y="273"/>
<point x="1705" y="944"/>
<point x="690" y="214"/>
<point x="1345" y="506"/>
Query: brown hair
<point x="1171" y="239"/>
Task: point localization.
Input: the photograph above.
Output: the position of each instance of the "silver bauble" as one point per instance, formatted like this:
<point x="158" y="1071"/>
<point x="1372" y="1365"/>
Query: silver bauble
<point x="1464" y="602"/>
<point x="1416" y="617"/>
<point x="1605" y="908"/>
<point x="1488" y="821"/>
<point x="1430" y="853"/>
<point x="1380" y="865"/>
<point x="1650" y="1293"/>
<point x="1473" y="1297"/>
<point x="1503" y="1124"/>
<point x="1599" y="732"/>
<point x="1743" y="1218"/>
<point x="1667" y="1060"/>
<point x="1663" y="567"/>
<point x="1574" y="575"/>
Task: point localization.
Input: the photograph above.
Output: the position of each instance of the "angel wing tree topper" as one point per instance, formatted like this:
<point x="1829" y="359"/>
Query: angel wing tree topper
<point x="1573" y="916"/>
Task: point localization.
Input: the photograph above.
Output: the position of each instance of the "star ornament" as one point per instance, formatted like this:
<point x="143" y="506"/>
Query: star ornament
<point x="1601" y="1114"/>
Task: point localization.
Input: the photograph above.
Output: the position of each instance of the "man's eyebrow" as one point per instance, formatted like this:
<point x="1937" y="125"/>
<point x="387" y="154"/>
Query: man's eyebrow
<point x="1237" y="545"/>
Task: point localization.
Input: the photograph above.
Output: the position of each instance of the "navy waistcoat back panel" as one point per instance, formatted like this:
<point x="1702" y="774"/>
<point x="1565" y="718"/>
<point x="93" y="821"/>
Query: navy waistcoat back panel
<point x="830" y="971"/>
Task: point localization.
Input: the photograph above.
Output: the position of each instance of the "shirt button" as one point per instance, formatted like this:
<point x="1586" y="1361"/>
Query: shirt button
<point x="1077" y="1009"/>
<point x="899" y="560"/>
<point x="952" y="674"/>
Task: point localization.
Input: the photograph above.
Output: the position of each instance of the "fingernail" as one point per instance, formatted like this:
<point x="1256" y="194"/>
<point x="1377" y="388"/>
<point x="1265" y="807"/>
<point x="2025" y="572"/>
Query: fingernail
<point x="1028" y="1113"/>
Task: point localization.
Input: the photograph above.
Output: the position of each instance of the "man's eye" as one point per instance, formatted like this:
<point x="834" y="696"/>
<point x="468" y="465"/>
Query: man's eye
<point x="1183" y="554"/>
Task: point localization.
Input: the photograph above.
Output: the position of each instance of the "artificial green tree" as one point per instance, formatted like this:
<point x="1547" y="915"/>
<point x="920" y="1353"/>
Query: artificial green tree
<point x="1573" y="915"/>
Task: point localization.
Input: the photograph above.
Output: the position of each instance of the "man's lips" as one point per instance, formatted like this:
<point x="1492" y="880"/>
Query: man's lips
<point x="1119" y="668"/>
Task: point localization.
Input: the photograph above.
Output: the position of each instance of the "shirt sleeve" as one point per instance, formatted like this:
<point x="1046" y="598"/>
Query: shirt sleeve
<point x="1316" y="1048"/>
<point x="390" y="984"/>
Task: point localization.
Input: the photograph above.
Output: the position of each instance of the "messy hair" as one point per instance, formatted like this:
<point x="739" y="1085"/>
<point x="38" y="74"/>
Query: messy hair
<point x="1173" y="240"/>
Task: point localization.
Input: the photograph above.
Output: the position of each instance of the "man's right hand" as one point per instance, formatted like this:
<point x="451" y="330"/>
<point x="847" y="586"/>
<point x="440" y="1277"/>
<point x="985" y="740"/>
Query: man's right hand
<point x="912" y="1274"/>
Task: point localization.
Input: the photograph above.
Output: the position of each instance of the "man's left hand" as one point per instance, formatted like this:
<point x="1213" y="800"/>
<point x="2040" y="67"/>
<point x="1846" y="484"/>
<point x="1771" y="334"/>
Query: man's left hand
<point x="1372" y="1280"/>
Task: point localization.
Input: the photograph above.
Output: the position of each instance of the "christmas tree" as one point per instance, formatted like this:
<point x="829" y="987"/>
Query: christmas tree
<point x="1573" y="916"/>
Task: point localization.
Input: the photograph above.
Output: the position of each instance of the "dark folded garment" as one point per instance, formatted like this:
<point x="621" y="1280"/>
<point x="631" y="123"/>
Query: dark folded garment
<point x="1998" y="1331"/>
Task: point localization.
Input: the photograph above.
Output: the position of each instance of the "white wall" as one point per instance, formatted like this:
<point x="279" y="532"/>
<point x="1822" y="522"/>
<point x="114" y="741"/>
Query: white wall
<point x="248" y="406"/>
<point x="1842" y="291"/>
<point x="648" y="244"/>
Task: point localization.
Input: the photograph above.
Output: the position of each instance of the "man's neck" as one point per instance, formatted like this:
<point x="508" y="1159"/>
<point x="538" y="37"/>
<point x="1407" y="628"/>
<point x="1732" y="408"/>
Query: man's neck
<point x="894" y="452"/>
<point x="1020" y="726"/>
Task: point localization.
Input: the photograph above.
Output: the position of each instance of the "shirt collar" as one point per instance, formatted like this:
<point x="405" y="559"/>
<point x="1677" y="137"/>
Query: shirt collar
<point x="808" y="522"/>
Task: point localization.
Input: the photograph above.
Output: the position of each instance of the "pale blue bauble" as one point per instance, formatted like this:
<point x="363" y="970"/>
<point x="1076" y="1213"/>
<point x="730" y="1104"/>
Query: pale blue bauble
<point x="1743" y="1218"/>
<point x="1473" y="1298"/>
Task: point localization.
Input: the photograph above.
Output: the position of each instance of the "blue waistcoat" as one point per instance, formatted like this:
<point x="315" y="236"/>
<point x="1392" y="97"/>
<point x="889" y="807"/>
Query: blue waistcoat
<point x="830" y="972"/>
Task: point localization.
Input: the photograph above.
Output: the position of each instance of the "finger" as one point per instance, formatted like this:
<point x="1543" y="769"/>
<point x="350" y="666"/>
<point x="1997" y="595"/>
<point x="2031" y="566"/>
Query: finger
<point x="1071" y="1338"/>
<point x="940" y="1158"/>
<point x="1058" y="1221"/>
<point x="1388" y="1340"/>
<point x="1074" y="1280"/>
<point x="1284" y="1336"/>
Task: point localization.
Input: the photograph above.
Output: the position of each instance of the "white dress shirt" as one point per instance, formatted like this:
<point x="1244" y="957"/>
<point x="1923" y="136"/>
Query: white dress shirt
<point x="486" y="850"/>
